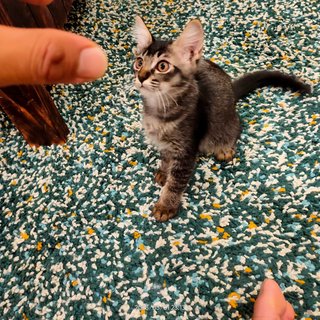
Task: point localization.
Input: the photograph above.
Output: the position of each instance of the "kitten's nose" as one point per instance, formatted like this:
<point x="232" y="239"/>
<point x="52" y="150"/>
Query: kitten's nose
<point x="143" y="75"/>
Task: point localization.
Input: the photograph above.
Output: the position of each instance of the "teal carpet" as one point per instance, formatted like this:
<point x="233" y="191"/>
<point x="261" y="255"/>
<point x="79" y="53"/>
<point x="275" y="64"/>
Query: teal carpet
<point x="76" y="237"/>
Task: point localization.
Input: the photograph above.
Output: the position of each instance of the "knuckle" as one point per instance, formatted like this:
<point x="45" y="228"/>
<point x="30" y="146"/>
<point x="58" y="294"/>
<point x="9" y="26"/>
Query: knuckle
<point x="49" y="61"/>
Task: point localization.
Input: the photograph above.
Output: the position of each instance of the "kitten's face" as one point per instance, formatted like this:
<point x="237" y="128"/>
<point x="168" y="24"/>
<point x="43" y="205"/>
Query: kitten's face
<point x="156" y="70"/>
<point x="162" y="68"/>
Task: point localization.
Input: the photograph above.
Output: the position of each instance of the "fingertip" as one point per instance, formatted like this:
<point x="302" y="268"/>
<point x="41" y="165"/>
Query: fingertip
<point x="271" y="304"/>
<point x="269" y="285"/>
<point x="92" y="63"/>
<point x="48" y="56"/>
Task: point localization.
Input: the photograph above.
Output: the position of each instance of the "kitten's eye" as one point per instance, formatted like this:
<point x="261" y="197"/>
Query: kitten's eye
<point x="138" y="63"/>
<point x="163" y="66"/>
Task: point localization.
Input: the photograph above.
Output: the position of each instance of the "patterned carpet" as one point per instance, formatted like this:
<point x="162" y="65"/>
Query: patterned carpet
<point x="76" y="237"/>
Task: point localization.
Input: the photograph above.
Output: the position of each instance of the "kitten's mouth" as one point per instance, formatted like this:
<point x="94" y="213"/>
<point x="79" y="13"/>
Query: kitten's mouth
<point x="139" y="86"/>
<point x="144" y="88"/>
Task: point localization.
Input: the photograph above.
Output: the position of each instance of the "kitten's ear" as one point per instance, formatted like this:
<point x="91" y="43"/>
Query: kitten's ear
<point x="190" y="42"/>
<point x="142" y="35"/>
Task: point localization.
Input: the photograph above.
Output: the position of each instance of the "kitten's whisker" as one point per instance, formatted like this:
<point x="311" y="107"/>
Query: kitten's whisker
<point x="171" y="97"/>
<point x="167" y="100"/>
<point x="162" y="101"/>
<point x="129" y="89"/>
<point x="158" y="99"/>
<point x="193" y="86"/>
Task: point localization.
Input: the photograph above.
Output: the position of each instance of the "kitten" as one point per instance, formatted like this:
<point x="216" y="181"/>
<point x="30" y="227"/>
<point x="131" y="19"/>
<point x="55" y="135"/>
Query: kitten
<point x="189" y="106"/>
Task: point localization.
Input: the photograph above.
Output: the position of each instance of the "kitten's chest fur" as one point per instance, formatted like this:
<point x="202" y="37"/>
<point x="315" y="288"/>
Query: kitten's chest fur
<point x="158" y="132"/>
<point x="170" y="127"/>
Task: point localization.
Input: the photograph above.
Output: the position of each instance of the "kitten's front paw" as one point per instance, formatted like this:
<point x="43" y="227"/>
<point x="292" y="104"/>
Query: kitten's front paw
<point x="162" y="213"/>
<point x="160" y="177"/>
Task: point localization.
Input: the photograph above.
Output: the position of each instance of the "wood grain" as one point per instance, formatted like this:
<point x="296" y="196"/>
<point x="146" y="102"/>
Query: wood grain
<point x="32" y="111"/>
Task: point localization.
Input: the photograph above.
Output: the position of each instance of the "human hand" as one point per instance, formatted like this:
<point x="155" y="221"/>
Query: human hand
<point x="271" y="304"/>
<point x="48" y="56"/>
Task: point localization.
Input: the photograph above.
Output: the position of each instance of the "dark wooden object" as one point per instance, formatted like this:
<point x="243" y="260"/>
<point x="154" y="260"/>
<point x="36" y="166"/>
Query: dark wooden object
<point x="31" y="108"/>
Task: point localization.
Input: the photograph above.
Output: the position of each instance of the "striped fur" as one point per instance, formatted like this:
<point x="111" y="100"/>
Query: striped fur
<point x="190" y="107"/>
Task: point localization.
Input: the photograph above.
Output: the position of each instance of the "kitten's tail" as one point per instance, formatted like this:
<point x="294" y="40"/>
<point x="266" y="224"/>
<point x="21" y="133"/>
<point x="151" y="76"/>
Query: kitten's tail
<point x="251" y="81"/>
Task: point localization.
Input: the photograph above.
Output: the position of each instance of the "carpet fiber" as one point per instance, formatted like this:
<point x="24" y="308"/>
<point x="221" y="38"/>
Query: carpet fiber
<point x="76" y="237"/>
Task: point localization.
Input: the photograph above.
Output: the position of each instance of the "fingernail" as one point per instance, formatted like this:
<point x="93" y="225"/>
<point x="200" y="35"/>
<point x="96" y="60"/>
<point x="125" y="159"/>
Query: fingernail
<point x="93" y="63"/>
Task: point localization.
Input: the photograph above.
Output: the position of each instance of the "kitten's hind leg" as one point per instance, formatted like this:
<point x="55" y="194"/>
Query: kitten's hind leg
<point x="162" y="173"/>
<point x="177" y="180"/>
<point x="224" y="153"/>
<point x="221" y="139"/>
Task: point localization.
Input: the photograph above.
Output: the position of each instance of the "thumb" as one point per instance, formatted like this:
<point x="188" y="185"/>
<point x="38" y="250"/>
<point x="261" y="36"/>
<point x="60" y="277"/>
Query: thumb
<point x="47" y="56"/>
<point x="271" y="304"/>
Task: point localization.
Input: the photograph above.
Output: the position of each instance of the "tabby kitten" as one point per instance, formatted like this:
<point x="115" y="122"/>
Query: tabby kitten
<point x="189" y="106"/>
